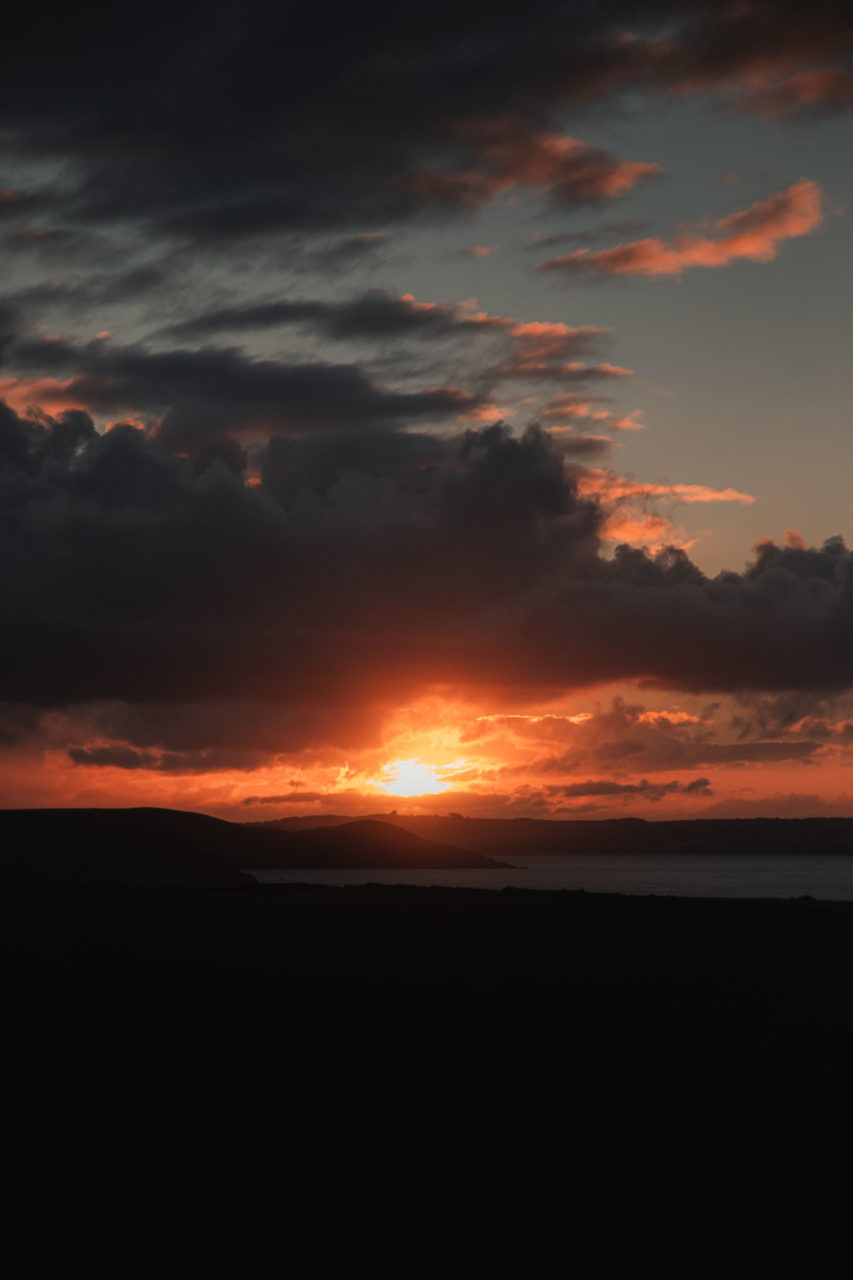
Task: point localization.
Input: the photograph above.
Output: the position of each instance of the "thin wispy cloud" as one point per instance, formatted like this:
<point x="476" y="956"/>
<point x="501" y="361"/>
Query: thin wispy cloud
<point x="754" y="234"/>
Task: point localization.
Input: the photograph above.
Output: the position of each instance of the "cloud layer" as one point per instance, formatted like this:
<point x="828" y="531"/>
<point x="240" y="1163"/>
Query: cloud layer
<point x="258" y="492"/>
<point x="266" y="128"/>
<point x="360" y="570"/>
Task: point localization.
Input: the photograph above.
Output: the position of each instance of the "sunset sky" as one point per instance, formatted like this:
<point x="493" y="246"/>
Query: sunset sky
<point x="444" y="409"/>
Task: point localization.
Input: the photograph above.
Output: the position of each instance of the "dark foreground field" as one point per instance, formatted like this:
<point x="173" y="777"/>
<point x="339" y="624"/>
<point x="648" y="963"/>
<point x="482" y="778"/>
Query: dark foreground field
<point x="467" y="1039"/>
<point x="133" y="937"/>
<point x="509" y="978"/>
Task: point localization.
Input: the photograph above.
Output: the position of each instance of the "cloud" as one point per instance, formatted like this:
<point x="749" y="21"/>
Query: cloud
<point x="566" y="170"/>
<point x="525" y="366"/>
<point x="372" y="314"/>
<point x="626" y="501"/>
<point x="608" y="487"/>
<point x="628" y="738"/>
<point x="246" y="141"/>
<point x="604" y="231"/>
<point x="119" y="756"/>
<point x="822" y="91"/>
<point x="577" y="445"/>
<point x="94" y="289"/>
<point x="345" y="253"/>
<point x="203" y="394"/>
<point x="295" y="796"/>
<point x="538" y="343"/>
<point x="217" y="554"/>
<point x="753" y="234"/>
<point x="197" y="395"/>
<point x="377" y="314"/>
<point x="640" y="529"/>
<point x="568" y="409"/>
<point x="350" y="578"/>
<point x="644" y="789"/>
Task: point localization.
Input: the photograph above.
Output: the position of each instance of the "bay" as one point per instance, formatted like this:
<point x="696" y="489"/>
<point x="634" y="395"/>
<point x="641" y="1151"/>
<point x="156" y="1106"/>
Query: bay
<point x="669" y="875"/>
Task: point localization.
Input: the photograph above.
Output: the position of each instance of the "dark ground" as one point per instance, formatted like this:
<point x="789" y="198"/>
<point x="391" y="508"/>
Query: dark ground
<point x="145" y="976"/>
<point x="507" y="976"/>
<point x="480" y="1046"/>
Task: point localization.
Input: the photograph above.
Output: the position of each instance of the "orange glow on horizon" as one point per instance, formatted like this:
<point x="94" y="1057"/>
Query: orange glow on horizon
<point x="617" y="751"/>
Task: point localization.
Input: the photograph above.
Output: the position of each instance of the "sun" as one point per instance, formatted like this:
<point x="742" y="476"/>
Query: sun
<point x="411" y="778"/>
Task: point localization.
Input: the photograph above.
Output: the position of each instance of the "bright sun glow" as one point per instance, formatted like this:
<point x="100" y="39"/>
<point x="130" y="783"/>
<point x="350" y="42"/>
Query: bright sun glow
<point x="410" y="778"/>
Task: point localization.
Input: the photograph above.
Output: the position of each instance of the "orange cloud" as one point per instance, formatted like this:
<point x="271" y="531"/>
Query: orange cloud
<point x="565" y="168"/>
<point x="824" y="89"/>
<point x="608" y="487"/>
<point x="539" y="340"/>
<point x="753" y="233"/>
<point x="628" y="422"/>
<point x="639" y="530"/>
<point x="25" y="395"/>
<point x="567" y="409"/>
<point x="628" y="522"/>
<point x="570" y="371"/>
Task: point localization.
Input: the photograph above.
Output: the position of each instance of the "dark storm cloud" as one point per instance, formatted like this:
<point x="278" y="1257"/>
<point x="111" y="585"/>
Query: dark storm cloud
<point x="671" y="752"/>
<point x="18" y="723"/>
<point x="214" y="391"/>
<point x="584" y="446"/>
<point x="93" y="289"/>
<point x="522" y="350"/>
<point x="26" y="445"/>
<point x="354" y="577"/>
<point x="374" y="314"/>
<point x="794" y="716"/>
<point x="124" y="757"/>
<point x="113" y="757"/>
<point x="628" y="737"/>
<point x="15" y="203"/>
<point x="197" y="398"/>
<point x="290" y="797"/>
<point x="644" y="789"/>
<point x="199" y="586"/>
<point x="253" y="122"/>
<point x="184" y="617"/>
<point x="242" y="727"/>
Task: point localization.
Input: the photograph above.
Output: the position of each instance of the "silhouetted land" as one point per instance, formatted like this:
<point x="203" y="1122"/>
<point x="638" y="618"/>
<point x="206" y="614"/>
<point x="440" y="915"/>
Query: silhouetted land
<point x="367" y="844"/>
<point x="567" y="969"/>
<point x="514" y="985"/>
<point x="166" y="847"/>
<point x="502" y="837"/>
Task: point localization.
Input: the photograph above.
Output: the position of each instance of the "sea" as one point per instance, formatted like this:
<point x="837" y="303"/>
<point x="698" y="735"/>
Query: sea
<point x="702" y="875"/>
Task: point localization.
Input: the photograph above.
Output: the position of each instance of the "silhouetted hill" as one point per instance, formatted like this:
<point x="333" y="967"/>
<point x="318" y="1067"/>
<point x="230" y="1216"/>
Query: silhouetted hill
<point x="503" y="837"/>
<point x="374" y="845"/>
<point x="133" y="847"/>
<point x="161" y="847"/>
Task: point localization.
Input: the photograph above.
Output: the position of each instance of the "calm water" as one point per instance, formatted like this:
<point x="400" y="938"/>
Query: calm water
<point x="693" y="876"/>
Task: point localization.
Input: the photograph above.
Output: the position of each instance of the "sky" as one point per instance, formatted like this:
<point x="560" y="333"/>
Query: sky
<point x="443" y="410"/>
